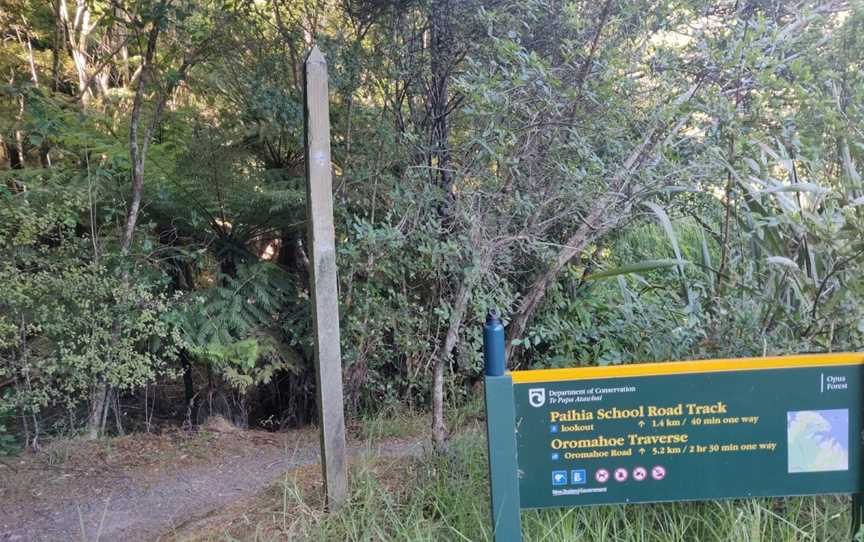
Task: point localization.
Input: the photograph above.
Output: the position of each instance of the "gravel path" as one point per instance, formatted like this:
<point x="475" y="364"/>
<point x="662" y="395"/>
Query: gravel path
<point x="132" y="508"/>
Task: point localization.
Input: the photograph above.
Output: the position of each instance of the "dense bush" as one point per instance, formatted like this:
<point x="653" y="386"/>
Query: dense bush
<point x="626" y="181"/>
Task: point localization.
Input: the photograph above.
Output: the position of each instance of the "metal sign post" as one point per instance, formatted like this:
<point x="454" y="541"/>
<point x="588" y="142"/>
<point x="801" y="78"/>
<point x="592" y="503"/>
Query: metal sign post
<point x="501" y="433"/>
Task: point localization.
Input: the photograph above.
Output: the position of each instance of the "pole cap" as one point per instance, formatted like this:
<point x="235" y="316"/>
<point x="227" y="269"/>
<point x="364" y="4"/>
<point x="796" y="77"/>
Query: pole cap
<point x="493" y="316"/>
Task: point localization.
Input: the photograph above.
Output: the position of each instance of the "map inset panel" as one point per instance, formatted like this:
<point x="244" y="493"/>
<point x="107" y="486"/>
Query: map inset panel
<point x="818" y="440"/>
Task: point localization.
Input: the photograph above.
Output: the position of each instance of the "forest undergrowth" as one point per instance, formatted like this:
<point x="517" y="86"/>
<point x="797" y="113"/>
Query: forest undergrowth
<point x="436" y="497"/>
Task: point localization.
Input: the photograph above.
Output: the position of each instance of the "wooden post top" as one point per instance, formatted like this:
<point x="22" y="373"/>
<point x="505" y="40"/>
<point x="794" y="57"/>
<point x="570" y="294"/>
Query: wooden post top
<point x="315" y="56"/>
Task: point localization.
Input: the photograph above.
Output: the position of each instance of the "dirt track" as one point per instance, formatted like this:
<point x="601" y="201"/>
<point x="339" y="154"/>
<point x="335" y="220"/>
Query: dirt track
<point x="140" y="504"/>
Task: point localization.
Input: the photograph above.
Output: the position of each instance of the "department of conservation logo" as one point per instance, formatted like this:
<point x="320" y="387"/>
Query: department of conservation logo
<point x="537" y="397"/>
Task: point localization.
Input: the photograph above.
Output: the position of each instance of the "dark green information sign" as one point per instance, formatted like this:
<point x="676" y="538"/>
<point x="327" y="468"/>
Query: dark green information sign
<point x="738" y="433"/>
<point x="678" y="431"/>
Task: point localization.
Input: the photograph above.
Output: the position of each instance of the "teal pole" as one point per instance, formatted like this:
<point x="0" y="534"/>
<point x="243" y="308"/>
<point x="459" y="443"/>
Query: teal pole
<point x="858" y="498"/>
<point x="493" y="344"/>
<point x="501" y="435"/>
<point x="857" y="513"/>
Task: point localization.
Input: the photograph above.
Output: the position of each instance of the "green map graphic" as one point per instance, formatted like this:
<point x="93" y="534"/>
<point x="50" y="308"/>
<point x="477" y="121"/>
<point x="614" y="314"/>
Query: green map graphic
<point x="818" y="440"/>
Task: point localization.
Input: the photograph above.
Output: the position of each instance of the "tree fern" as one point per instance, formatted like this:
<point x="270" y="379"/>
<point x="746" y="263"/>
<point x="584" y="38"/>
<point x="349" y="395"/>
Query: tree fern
<point x="232" y="325"/>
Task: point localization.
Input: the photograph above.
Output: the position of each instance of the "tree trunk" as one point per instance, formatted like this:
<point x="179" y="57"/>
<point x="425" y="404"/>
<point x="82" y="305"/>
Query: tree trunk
<point x="457" y="316"/>
<point x="587" y="232"/>
<point x="137" y="154"/>
<point x="438" y="157"/>
<point x="77" y="32"/>
<point x="97" y="408"/>
<point x="439" y="95"/>
<point x="14" y="156"/>
<point x="601" y="217"/>
<point x="439" y="430"/>
<point x="140" y="142"/>
<point x="56" y="45"/>
<point x="19" y="147"/>
<point x="189" y="387"/>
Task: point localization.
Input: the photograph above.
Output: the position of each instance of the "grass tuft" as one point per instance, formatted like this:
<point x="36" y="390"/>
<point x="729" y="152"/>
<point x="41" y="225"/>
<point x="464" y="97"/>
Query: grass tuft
<point x="445" y="497"/>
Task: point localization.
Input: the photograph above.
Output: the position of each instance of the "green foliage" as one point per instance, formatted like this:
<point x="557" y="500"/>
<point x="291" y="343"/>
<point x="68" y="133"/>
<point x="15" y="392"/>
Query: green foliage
<point x="233" y="326"/>
<point x="69" y="320"/>
<point x="72" y="325"/>
<point x="249" y="362"/>
<point x="735" y="232"/>
<point x="765" y="215"/>
<point x="611" y="322"/>
<point x="8" y="442"/>
<point x="235" y="307"/>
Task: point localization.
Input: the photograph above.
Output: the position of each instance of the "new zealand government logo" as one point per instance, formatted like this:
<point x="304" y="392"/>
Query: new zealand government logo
<point x="537" y="397"/>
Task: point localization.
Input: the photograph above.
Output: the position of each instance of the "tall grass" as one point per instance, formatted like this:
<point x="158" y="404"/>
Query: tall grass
<point x="445" y="497"/>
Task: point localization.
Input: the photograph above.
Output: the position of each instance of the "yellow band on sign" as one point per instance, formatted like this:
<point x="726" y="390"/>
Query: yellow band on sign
<point x="688" y="367"/>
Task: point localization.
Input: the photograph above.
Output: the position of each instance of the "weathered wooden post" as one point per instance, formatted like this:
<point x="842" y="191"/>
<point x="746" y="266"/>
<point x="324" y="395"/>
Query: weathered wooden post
<point x="322" y="280"/>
